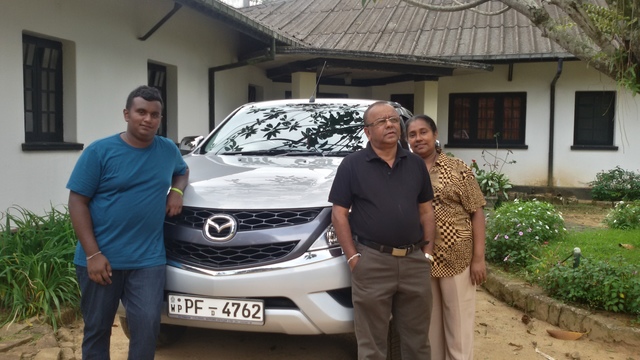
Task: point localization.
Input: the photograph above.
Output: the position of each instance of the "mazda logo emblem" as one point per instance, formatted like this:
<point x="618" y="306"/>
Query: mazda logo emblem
<point x="220" y="227"/>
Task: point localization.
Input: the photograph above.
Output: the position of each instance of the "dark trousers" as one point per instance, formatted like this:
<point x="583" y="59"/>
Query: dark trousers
<point x="384" y="285"/>
<point x="141" y="292"/>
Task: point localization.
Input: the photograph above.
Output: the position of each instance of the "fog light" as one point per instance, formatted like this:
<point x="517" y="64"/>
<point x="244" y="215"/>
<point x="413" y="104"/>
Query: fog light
<point x="326" y="240"/>
<point x="332" y="238"/>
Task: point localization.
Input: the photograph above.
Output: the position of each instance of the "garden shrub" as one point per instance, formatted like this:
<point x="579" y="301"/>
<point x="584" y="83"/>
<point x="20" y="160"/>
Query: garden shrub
<point x="517" y="230"/>
<point x="625" y="216"/>
<point x="37" y="274"/>
<point x="606" y="285"/>
<point x="493" y="181"/>
<point x="615" y="185"/>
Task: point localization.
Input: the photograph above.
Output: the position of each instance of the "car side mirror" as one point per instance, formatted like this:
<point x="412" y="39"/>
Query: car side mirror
<point x="188" y="143"/>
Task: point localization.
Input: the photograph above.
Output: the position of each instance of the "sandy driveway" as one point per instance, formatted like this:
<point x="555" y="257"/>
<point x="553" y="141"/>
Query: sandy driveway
<point x="500" y="335"/>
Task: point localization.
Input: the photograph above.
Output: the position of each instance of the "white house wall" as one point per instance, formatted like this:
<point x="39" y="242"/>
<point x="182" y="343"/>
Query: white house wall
<point x="572" y="168"/>
<point x="103" y="61"/>
<point x="578" y="167"/>
<point x="352" y="92"/>
<point x="385" y="92"/>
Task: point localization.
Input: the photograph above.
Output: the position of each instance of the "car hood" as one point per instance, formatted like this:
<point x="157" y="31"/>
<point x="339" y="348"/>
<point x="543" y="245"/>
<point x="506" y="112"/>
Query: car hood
<point x="259" y="182"/>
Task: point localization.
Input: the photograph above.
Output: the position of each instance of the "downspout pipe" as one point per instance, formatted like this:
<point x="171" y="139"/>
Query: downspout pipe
<point x="552" y="122"/>
<point x="271" y="55"/>
<point x="175" y="9"/>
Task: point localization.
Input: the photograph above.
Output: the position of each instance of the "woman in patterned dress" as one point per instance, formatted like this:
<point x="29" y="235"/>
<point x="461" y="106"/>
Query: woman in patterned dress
<point x="458" y="264"/>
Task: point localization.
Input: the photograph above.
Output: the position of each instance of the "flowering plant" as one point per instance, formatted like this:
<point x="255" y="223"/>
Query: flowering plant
<point x="615" y="185"/>
<point x="626" y="215"/>
<point x="612" y="285"/>
<point x="517" y="230"/>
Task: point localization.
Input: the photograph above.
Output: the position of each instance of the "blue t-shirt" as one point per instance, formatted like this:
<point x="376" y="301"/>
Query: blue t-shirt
<point x="128" y="188"/>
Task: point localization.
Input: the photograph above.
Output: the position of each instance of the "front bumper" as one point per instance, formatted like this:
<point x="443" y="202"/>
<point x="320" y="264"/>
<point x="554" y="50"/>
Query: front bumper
<point x="310" y="282"/>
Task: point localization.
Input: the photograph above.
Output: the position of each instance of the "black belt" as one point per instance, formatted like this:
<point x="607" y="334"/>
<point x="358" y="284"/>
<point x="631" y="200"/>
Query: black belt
<point x="395" y="251"/>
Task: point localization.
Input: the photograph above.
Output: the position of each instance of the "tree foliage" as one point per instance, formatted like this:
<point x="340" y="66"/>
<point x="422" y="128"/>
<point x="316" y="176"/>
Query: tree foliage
<point x="603" y="33"/>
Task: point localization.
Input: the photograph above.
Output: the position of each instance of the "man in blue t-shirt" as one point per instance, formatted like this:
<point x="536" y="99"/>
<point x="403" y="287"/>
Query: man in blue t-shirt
<point x="120" y="191"/>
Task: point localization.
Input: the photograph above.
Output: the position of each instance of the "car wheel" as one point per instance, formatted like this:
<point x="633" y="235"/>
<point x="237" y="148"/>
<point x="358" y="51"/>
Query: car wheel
<point x="168" y="335"/>
<point x="393" y="343"/>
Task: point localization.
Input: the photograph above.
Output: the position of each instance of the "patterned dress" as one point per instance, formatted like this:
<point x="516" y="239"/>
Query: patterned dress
<point x="457" y="196"/>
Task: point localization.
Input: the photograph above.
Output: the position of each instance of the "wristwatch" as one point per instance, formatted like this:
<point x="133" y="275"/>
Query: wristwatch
<point x="428" y="256"/>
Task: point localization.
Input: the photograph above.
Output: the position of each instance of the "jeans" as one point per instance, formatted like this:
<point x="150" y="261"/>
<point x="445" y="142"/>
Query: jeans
<point x="141" y="292"/>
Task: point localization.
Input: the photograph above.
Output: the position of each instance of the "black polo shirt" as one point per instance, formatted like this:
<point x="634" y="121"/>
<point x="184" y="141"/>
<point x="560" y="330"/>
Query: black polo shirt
<point x="383" y="200"/>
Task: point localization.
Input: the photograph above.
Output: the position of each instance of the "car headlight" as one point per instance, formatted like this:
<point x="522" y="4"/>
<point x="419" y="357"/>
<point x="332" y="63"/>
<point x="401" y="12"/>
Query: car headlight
<point x="327" y="240"/>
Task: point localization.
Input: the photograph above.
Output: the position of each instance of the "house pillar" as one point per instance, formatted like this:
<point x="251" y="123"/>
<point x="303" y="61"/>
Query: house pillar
<point x="303" y="84"/>
<point x="425" y="98"/>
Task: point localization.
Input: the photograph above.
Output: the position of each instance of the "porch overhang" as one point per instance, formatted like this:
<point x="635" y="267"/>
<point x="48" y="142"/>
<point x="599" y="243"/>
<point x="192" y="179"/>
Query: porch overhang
<point x="355" y="68"/>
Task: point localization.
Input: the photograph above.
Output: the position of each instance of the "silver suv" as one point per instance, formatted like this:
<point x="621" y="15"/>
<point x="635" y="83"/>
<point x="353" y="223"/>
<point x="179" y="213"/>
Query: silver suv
<point x="254" y="249"/>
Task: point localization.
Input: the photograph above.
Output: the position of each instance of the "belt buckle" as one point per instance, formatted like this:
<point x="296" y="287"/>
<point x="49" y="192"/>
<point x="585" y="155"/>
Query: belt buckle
<point x="399" y="252"/>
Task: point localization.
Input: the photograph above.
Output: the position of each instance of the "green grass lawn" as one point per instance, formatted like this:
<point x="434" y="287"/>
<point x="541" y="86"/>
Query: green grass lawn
<point x="607" y="276"/>
<point x="603" y="244"/>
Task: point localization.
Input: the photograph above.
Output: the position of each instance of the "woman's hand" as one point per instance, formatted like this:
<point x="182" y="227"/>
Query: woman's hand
<point x="478" y="271"/>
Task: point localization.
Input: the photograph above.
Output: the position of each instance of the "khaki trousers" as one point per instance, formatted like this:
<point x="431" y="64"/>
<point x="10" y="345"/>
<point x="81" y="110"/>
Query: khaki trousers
<point x="452" y="317"/>
<point x="385" y="285"/>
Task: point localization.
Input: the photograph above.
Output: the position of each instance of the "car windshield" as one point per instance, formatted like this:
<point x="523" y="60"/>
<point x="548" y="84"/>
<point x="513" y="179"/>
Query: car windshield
<point x="291" y="129"/>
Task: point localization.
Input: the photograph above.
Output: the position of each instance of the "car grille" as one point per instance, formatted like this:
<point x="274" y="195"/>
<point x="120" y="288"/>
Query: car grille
<point x="247" y="220"/>
<point x="216" y="258"/>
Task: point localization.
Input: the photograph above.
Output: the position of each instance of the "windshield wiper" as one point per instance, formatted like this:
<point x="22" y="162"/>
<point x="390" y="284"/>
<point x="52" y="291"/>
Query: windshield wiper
<point x="303" y="153"/>
<point x="258" y="152"/>
<point x="338" y="153"/>
<point x="275" y="152"/>
<point x="289" y="152"/>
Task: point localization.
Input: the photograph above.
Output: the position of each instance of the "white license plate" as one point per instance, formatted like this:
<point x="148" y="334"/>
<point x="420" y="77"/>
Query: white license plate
<point x="211" y="309"/>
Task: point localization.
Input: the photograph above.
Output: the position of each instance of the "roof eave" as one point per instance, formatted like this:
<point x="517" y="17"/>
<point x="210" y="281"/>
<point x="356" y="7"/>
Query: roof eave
<point x="239" y="21"/>
<point x="438" y="62"/>
<point x="513" y="57"/>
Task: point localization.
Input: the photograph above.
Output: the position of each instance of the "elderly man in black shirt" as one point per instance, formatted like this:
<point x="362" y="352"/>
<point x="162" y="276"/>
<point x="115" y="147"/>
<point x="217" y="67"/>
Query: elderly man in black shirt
<point x="387" y="238"/>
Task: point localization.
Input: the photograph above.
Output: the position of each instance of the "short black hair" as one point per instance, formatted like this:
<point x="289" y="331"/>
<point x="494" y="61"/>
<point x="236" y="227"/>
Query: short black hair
<point x="146" y="92"/>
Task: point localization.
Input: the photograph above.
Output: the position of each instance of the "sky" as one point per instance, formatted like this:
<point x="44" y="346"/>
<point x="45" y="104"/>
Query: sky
<point x="234" y="3"/>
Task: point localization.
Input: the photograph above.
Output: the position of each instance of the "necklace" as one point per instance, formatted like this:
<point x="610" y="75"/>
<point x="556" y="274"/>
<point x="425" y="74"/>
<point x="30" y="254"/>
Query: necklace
<point x="433" y="162"/>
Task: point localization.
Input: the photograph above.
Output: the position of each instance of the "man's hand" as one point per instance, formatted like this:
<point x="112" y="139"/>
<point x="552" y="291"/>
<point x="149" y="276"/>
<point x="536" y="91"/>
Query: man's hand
<point x="99" y="269"/>
<point x="174" y="204"/>
<point x="340" y="221"/>
<point x="174" y="199"/>
<point x="354" y="261"/>
<point x="98" y="266"/>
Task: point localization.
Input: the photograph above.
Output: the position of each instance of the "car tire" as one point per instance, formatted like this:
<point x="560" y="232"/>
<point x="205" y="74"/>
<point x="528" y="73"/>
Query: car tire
<point x="168" y="335"/>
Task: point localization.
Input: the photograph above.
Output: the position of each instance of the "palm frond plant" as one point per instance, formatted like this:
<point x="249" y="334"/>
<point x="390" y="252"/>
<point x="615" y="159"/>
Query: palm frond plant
<point x="37" y="274"/>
